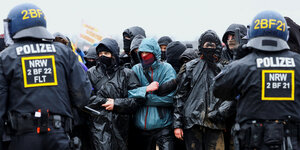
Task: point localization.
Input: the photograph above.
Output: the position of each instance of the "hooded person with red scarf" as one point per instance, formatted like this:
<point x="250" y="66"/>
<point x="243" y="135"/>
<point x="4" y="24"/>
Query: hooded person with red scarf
<point x="154" y="119"/>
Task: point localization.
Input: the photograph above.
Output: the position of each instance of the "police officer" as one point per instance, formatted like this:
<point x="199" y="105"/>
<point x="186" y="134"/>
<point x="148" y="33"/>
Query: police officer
<point x="39" y="81"/>
<point x="265" y="81"/>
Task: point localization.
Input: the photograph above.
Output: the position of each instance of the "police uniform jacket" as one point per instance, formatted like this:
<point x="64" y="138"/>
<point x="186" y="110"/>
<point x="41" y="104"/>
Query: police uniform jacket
<point x="267" y="84"/>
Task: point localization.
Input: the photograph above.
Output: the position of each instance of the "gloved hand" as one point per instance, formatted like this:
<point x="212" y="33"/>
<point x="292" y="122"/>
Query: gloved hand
<point x="241" y="51"/>
<point x="224" y="107"/>
<point x="152" y="87"/>
<point x="215" y="116"/>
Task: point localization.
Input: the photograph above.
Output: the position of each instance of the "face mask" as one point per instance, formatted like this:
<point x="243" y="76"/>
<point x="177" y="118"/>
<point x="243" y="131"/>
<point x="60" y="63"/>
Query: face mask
<point x="106" y="61"/>
<point x="163" y="55"/>
<point x="210" y="54"/>
<point x="148" y="60"/>
<point x="126" y="46"/>
<point x="90" y="64"/>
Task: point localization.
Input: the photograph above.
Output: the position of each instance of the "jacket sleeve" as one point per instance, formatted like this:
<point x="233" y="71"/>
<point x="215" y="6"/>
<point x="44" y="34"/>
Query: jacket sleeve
<point x="139" y="92"/>
<point x="180" y="98"/>
<point x="171" y="85"/>
<point x="79" y="85"/>
<point x="129" y="105"/>
<point x="155" y="100"/>
<point x="3" y="99"/>
<point x="226" y="82"/>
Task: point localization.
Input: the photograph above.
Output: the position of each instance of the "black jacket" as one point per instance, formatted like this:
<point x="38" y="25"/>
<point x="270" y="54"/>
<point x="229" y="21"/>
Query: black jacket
<point x="194" y="98"/>
<point x="266" y="83"/>
<point x="41" y="75"/>
<point x="110" y="128"/>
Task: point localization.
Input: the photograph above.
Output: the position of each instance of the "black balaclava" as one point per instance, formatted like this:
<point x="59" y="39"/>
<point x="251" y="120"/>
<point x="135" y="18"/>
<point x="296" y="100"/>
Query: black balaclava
<point x="174" y="51"/>
<point x="106" y="63"/>
<point x="210" y="55"/>
<point x="91" y="54"/>
<point x="126" y="42"/>
<point x="131" y="33"/>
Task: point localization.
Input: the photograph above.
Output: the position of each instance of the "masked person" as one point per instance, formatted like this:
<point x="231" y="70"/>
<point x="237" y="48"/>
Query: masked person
<point x="128" y="36"/>
<point x="163" y="43"/>
<point x="111" y="83"/>
<point x="268" y="108"/>
<point x="154" y="119"/>
<point x="91" y="57"/>
<point x="194" y="99"/>
<point x="41" y="82"/>
<point x="174" y="50"/>
<point x="230" y="40"/>
<point x="134" y="47"/>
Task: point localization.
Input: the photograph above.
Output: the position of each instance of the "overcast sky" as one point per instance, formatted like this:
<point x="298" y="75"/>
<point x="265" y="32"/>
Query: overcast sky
<point x="179" y="19"/>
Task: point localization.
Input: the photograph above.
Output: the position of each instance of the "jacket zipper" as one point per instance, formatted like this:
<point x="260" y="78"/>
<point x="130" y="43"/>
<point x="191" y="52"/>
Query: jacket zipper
<point x="146" y="117"/>
<point x="148" y="106"/>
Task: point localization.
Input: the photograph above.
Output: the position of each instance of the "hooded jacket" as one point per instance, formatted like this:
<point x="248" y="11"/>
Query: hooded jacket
<point x="174" y="50"/>
<point x="137" y="40"/>
<point x="110" y="128"/>
<point x="157" y="111"/>
<point x="227" y="54"/>
<point x="189" y="54"/>
<point x="91" y="53"/>
<point x="131" y="33"/>
<point x="194" y="98"/>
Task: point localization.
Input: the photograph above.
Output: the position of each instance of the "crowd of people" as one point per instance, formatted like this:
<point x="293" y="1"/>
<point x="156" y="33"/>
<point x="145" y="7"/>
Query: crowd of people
<point x="237" y="92"/>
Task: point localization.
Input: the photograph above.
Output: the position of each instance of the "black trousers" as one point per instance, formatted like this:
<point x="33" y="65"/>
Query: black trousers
<point x="56" y="139"/>
<point x="202" y="138"/>
<point x="147" y="140"/>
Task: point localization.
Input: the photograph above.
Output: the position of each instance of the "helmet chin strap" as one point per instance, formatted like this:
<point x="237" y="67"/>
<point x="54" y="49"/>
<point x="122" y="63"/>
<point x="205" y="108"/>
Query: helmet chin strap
<point x="7" y="39"/>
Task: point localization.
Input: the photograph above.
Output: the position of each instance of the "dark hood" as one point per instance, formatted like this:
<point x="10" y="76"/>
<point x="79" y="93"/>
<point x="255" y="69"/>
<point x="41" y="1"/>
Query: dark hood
<point x="91" y="53"/>
<point x="294" y="35"/>
<point x="165" y="40"/>
<point x="131" y="33"/>
<point x="174" y="50"/>
<point x="134" y="31"/>
<point x="137" y="40"/>
<point x="231" y="29"/>
<point x="112" y="45"/>
<point x="189" y="54"/>
<point x="216" y="39"/>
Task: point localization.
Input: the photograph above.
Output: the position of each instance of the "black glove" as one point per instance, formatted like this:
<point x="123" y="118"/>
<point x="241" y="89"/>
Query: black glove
<point x="215" y="116"/>
<point x="241" y="51"/>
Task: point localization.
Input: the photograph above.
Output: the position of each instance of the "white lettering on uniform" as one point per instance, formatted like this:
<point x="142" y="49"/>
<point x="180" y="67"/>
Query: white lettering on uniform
<point x="277" y="77"/>
<point x="35" y="48"/>
<point x="38" y="63"/>
<point x="275" y="62"/>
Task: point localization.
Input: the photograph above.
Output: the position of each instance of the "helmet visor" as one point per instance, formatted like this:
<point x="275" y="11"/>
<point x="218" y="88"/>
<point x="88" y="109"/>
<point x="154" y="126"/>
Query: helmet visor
<point x="268" y="44"/>
<point x="38" y="32"/>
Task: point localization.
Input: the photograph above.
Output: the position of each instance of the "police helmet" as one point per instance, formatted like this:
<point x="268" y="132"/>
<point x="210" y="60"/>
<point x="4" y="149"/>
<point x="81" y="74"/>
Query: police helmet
<point x="268" y="32"/>
<point x="27" y="20"/>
